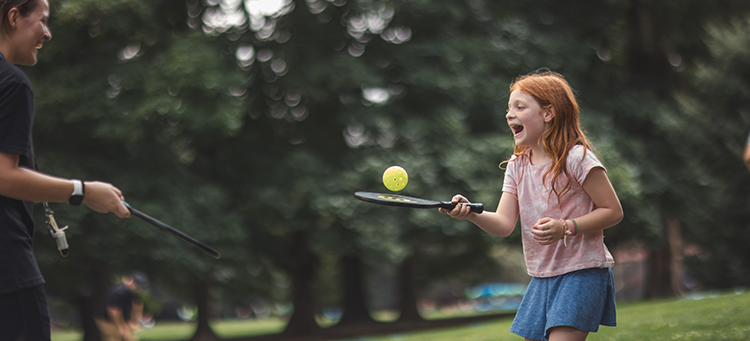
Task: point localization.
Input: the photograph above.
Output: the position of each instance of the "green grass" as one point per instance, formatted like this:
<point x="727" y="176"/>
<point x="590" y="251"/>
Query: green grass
<point x="725" y="317"/>
<point x="183" y="331"/>
<point x="717" y="317"/>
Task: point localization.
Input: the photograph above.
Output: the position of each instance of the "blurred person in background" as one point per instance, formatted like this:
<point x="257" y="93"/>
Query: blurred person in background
<point x="24" y="314"/>
<point x="120" y="318"/>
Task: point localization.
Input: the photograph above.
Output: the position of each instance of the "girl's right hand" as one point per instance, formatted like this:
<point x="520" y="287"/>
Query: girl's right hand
<point x="460" y="211"/>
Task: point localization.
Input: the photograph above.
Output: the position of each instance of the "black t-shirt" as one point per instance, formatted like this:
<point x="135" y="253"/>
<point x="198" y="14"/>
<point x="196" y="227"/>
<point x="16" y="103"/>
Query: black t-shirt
<point x="121" y="298"/>
<point x="18" y="267"/>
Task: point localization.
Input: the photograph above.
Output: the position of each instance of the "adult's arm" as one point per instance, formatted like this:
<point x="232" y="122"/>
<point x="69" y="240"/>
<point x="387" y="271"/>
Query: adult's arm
<point x="136" y="314"/>
<point x="26" y="184"/>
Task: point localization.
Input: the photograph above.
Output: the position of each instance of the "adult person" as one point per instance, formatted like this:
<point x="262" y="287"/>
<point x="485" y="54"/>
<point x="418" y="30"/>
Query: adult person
<point x="24" y="314"/>
<point x="121" y="316"/>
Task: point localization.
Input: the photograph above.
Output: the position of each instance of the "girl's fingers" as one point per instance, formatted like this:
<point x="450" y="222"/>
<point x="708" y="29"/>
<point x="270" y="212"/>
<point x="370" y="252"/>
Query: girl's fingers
<point x="458" y="212"/>
<point x="459" y="198"/>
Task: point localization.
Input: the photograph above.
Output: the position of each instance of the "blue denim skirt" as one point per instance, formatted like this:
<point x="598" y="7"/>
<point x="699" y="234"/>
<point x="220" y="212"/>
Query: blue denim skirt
<point x="582" y="299"/>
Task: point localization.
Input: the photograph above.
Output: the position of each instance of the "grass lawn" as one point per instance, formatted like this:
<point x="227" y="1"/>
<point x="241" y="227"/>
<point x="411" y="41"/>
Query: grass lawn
<point x="712" y="317"/>
<point x="725" y="317"/>
<point x="183" y="331"/>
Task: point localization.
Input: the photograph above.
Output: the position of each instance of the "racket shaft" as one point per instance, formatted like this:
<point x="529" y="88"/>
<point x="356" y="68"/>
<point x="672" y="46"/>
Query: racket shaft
<point x="177" y="233"/>
<point x="475" y="207"/>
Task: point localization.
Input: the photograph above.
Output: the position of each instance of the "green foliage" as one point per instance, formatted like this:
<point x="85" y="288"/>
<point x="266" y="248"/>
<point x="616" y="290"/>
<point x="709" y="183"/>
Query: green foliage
<point x="112" y="106"/>
<point x="713" y="126"/>
<point x="244" y="133"/>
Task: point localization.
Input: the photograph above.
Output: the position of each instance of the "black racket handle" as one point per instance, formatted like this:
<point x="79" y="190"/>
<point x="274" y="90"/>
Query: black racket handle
<point x="475" y="206"/>
<point x="177" y="233"/>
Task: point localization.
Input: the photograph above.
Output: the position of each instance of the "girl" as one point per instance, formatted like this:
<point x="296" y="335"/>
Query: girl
<point x="23" y="304"/>
<point x="565" y="201"/>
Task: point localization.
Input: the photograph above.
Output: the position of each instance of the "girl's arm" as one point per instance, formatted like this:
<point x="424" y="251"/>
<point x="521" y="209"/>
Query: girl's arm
<point x="608" y="211"/>
<point x="500" y="223"/>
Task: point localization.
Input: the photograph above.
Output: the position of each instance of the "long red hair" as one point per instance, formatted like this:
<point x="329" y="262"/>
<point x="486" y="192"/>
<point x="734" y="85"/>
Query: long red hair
<point x="552" y="91"/>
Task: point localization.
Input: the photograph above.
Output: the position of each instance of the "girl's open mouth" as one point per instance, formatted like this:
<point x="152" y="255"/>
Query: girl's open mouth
<point x="516" y="128"/>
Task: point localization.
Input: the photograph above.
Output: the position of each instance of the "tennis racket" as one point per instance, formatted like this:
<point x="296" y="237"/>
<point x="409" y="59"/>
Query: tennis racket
<point x="411" y="202"/>
<point x="177" y="233"/>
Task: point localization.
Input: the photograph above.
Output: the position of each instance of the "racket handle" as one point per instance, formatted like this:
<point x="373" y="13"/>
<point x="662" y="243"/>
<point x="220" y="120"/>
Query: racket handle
<point x="475" y="206"/>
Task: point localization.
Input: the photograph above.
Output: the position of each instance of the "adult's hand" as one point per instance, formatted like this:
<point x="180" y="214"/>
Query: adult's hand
<point x="103" y="197"/>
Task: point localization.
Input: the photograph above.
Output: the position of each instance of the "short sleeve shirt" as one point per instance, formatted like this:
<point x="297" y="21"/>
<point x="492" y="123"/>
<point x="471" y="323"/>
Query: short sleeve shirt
<point x="18" y="267"/>
<point x="536" y="200"/>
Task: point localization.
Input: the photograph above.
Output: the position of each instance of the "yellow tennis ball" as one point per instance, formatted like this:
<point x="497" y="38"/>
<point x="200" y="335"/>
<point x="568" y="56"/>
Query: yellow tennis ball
<point x="395" y="178"/>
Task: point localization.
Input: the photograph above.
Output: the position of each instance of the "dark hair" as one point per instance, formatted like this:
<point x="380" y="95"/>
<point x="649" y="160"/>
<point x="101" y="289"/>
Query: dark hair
<point x="24" y="8"/>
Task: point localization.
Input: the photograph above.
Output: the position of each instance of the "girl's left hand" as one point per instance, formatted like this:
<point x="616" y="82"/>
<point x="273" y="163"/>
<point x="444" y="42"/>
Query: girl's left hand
<point x="548" y="230"/>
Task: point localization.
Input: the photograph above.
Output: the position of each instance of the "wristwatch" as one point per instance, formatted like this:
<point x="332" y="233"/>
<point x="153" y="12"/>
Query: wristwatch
<point x="78" y="190"/>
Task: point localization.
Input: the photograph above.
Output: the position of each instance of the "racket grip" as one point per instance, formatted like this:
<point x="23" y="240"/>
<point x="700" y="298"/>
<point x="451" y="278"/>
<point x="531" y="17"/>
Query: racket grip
<point x="475" y="206"/>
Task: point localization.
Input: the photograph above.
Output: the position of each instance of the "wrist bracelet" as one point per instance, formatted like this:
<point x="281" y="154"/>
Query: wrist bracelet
<point x="575" y="232"/>
<point x="566" y="232"/>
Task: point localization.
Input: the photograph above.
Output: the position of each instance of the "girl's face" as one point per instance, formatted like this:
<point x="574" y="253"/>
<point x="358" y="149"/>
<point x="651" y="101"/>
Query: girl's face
<point x="29" y="34"/>
<point x="526" y="119"/>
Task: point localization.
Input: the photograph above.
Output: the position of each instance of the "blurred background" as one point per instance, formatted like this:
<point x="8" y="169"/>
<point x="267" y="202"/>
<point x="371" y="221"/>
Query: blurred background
<point x="250" y="124"/>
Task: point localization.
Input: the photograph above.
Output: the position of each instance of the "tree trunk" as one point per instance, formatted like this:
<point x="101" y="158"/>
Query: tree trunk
<point x="676" y="252"/>
<point x="204" y="331"/>
<point x="665" y="264"/>
<point x="659" y="274"/>
<point x="303" y="273"/>
<point x="408" y="288"/>
<point x="86" y="314"/>
<point x="88" y="306"/>
<point x="355" y="305"/>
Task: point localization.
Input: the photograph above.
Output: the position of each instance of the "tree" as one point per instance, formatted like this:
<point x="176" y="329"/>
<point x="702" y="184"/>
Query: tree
<point x="712" y="129"/>
<point x="632" y="58"/>
<point x="342" y="100"/>
<point x="264" y="121"/>
<point x="126" y="122"/>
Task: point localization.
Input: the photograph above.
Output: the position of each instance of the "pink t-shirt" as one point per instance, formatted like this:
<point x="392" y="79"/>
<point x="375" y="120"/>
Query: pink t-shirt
<point x="537" y="201"/>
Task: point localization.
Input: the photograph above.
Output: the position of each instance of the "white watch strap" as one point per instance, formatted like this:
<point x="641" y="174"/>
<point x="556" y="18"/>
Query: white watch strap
<point x="77" y="187"/>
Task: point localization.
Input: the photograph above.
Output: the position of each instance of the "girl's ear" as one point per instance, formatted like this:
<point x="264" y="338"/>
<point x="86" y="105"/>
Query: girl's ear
<point x="549" y="113"/>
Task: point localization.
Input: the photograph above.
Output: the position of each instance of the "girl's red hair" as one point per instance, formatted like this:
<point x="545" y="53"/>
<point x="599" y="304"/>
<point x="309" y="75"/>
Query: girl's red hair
<point x="552" y="91"/>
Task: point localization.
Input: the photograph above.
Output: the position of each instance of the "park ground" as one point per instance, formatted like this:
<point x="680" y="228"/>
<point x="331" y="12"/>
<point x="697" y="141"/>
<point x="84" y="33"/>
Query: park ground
<point x="703" y="316"/>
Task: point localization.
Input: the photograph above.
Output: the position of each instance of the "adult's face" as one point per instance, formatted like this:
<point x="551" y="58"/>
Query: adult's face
<point x="27" y="33"/>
